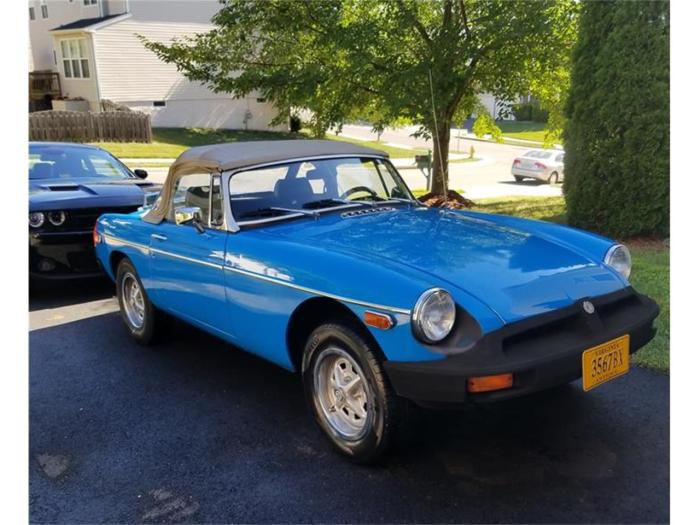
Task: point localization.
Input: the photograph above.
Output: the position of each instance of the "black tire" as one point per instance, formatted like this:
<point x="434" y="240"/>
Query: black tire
<point x="151" y="329"/>
<point x="382" y="406"/>
<point x="553" y="178"/>
<point x="518" y="178"/>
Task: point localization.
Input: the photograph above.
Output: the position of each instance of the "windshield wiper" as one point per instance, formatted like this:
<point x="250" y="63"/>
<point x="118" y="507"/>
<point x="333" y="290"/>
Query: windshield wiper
<point x="273" y="211"/>
<point x="313" y="214"/>
<point x="410" y="202"/>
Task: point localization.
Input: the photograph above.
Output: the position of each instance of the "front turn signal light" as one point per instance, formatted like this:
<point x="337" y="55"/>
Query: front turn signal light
<point x="489" y="383"/>
<point x="381" y="321"/>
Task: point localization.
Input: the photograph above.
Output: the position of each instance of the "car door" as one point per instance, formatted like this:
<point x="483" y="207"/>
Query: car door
<point x="187" y="258"/>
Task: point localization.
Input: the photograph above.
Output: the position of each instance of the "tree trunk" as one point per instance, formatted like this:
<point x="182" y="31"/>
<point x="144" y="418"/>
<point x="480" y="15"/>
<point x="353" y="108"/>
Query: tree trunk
<point x="441" y="150"/>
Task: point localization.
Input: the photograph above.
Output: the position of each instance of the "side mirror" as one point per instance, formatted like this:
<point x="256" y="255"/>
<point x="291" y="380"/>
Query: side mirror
<point x="141" y="174"/>
<point x="190" y="215"/>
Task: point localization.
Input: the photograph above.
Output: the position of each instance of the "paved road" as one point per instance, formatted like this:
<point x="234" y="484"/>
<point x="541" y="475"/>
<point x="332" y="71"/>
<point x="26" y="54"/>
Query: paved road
<point x="197" y="431"/>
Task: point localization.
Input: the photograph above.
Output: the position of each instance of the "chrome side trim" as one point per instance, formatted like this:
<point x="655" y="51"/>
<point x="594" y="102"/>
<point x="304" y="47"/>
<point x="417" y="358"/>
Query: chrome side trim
<point x="313" y="291"/>
<point x="187" y="259"/>
<point x="136" y="245"/>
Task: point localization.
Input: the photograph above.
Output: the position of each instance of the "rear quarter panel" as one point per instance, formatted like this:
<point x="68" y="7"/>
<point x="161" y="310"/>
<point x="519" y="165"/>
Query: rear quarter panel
<point x="124" y="234"/>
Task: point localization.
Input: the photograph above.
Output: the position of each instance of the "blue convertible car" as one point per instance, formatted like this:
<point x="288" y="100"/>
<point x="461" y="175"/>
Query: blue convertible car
<point x="315" y="256"/>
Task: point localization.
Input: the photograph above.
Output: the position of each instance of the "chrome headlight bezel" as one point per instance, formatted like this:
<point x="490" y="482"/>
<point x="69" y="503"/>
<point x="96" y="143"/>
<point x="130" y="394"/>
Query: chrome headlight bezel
<point x="57" y="218"/>
<point x="423" y="329"/>
<point x="39" y="219"/>
<point x="619" y="258"/>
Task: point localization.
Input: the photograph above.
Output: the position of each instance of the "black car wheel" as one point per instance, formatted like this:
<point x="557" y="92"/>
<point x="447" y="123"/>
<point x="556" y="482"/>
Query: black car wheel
<point x="518" y="178"/>
<point x="348" y="393"/>
<point x="141" y="318"/>
<point x="553" y="178"/>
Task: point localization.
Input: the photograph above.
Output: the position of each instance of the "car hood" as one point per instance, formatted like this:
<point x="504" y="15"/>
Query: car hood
<point x="514" y="271"/>
<point x="86" y="193"/>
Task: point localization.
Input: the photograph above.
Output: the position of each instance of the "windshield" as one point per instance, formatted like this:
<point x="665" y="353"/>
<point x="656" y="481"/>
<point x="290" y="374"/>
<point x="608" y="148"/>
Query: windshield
<point x="55" y="163"/>
<point x="538" y="154"/>
<point x="313" y="185"/>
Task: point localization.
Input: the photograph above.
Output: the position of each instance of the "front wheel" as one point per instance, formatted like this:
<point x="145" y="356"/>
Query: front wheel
<point x="348" y="393"/>
<point x="138" y="313"/>
<point x="553" y="178"/>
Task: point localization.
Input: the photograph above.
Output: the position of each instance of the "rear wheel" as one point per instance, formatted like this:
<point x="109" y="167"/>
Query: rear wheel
<point x="518" y="178"/>
<point x="348" y="393"/>
<point x="553" y="178"/>
<point x="141" y="318"/>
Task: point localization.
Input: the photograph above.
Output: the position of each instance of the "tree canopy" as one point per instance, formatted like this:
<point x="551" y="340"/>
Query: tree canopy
<point x="386" y="59"/>
<point x="617" y="135"/>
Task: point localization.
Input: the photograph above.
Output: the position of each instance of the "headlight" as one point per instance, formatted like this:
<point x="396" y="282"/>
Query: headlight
<point x="620" y="260"/>
<point x="57" y="217"/>
<point x="433" y="316"/>
<point x="36" y="219"/>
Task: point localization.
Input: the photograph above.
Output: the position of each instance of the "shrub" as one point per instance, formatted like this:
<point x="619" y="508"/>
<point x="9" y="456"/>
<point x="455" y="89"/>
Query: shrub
<point x="485" y="125"/>
<point x="617" y="132"/>
<point x="530" y="112"/>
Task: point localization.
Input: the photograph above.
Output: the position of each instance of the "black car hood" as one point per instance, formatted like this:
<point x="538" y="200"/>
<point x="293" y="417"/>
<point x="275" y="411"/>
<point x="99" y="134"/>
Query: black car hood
<point x="47" y="194"/>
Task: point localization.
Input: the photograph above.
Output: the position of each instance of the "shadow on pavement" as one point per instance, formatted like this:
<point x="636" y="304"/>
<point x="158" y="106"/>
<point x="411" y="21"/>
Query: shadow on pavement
<point x="54" y="294"/>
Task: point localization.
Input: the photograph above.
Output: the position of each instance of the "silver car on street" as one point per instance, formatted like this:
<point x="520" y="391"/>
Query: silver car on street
<point x="545" y="165"/>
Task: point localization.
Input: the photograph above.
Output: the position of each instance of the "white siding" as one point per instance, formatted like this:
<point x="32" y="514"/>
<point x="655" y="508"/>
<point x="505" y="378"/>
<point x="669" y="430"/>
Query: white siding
<point x="130" y="74"/>
<point x="40" y="36"/>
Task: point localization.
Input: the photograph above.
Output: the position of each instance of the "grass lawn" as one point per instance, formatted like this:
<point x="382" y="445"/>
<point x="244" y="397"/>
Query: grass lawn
<point x="650" y="268"/>
<point x="168" y="143"/>
<point x="523" y="130"/>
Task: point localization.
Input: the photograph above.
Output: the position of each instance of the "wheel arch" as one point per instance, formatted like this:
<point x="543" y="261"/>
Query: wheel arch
<point x="114" y="259"/>
<point x="314" y="312"/>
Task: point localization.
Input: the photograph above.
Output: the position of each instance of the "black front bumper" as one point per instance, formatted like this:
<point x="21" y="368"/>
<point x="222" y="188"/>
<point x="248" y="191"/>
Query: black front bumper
<point x="62" y="255"/>
<point x="541" y="352"/>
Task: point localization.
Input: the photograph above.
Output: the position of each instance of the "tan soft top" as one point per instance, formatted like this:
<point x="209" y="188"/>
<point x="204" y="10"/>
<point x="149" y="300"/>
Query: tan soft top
<point x="218" y="158"/>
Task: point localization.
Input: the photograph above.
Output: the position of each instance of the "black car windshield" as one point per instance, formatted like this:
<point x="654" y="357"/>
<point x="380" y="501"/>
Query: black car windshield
<point x="313" y="185"/>
<point x="54" y="162"/>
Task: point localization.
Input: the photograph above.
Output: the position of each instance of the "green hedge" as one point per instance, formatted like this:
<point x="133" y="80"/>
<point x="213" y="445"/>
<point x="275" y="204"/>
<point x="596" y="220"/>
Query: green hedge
<point x="617" y="132"/>
<point x="530" y="112"/>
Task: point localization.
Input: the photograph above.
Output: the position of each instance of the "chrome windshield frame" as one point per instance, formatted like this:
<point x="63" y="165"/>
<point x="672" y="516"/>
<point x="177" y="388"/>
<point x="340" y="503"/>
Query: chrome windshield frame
<point x="234" y="226"/>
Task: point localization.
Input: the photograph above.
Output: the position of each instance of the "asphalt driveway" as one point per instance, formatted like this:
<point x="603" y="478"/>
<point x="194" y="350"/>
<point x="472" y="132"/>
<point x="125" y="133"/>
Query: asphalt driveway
<point x="197" y="431"/>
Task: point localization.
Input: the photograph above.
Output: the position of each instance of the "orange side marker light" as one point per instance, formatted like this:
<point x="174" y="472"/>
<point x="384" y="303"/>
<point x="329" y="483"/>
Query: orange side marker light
<point x="381" y="321"/>
<point x="489" y="383"/>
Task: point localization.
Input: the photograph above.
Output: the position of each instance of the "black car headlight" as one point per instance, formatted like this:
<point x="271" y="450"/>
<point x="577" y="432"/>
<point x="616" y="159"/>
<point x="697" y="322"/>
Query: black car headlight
<point x="433" y="315"/>
<point x="57" y="218"/>
<point x="620" y="260"/>
<point x="36" y="219"/>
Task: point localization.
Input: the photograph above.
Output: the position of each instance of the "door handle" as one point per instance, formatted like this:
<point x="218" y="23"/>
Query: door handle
<point x="158" y="237"/>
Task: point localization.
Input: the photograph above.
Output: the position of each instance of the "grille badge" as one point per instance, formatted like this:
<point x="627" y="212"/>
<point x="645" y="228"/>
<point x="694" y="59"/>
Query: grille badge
<point x="588" y="307"/>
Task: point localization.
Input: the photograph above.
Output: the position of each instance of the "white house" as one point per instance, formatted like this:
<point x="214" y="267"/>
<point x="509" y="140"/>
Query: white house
<point x="94" y="47"/>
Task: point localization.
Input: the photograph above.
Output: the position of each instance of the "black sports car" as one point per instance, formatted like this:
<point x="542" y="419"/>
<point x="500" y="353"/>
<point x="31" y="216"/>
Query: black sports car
<point x="70" y="186"/>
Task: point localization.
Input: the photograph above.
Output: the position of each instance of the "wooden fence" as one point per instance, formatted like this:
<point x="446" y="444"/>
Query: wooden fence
<point x="82" y="126"/>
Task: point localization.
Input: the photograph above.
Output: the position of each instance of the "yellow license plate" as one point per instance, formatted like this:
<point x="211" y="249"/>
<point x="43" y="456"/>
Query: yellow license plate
<point x="605" y="362"/>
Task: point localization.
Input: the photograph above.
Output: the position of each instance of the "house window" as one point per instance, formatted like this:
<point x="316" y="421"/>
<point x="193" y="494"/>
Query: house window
<point x="89" y="2"/>
<point x="44" y="10"/>
<point x="159" y="103"/>
<point x="32" y="16"/>
<point x="75" y="58"/>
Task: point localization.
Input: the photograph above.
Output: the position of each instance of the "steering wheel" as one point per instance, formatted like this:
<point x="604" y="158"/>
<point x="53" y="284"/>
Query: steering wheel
<point x="357" y="189"/>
